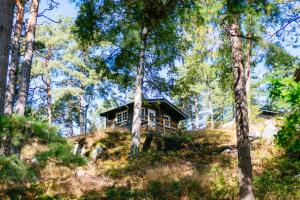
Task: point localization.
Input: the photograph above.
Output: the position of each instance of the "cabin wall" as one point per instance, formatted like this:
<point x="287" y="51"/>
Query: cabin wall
<point x="159" y="109"/>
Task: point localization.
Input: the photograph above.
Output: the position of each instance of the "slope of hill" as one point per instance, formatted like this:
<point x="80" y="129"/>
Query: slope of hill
<point x="194" y="165"/>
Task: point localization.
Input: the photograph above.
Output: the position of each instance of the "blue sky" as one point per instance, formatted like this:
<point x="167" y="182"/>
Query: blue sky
<point x="65" y="8"/>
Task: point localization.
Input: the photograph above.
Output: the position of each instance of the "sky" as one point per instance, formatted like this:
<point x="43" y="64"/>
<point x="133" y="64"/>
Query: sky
<point x="66" y="8"/>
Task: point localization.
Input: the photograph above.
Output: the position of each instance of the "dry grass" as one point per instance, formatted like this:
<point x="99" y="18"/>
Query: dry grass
<point x="201" y="169"/>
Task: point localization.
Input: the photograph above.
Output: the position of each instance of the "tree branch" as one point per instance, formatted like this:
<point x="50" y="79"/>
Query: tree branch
<point x="283" y="27"/>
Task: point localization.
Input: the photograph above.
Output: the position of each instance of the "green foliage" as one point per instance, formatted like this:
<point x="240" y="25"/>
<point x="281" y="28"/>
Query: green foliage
<point x="288" y="137"/>
<point x="279" y="180"/>
<point x="35" y="191"/>
<point x="63" y="153"/>
<point x="281" y="65"/>
<point x="123" y="38"/>
<point x="175" y="142"/>
<point x="12" y="169"/>
<point x="22" y="130"/>
<point x="221" y="188"/>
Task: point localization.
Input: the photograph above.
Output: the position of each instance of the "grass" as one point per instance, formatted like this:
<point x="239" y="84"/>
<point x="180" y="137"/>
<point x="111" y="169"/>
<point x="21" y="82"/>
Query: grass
<point x="196" y="167"/>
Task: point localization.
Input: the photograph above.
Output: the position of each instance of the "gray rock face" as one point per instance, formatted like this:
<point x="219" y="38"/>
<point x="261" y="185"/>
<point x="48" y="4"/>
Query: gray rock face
<point x="254" y="133"/>
<point x="80" y="173"/>
<point x="96" y="152"/>
<point x="75" y="148"/>
<point x="270" y="129"/>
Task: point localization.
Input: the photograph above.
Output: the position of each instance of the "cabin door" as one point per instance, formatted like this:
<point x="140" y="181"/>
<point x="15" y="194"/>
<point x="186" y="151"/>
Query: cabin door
<point x="152" y="117"/>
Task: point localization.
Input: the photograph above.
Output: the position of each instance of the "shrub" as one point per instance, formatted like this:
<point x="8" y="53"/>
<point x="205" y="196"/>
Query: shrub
<point x="63" y="153"/>
<point x="12" y="169"/>
<point x="288" y="136"/>
<point x="279" y="180"/>
<point x="21" y="130"/>
<point x="175" y="142"/>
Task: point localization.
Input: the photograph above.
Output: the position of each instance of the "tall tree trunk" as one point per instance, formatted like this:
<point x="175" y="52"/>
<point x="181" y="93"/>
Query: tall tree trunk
<point x="26" y="66"/>
<point x="81" y="114"/>
<point x="48" y="84"/>
<point x="15" y="58"/>
<point x="49" y="104"/>
<point x="196" y="119"/>
<point x="248" y="72"/>
<point x="211" y="110"/>
<point x="242" y="127"/>
<point x="6" y="23"/>
<point x="70" y="126"/>
<point x="86" y="108"/>
<point x="138" y="98"/>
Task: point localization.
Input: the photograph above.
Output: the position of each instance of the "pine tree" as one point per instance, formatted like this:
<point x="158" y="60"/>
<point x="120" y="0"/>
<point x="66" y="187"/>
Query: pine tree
<point x="26" y="66"/>
<point x="6" y="24"/>
<point x="142" y="35"/>
<point x="52" y="40"/>
<point x="12" y="82"/>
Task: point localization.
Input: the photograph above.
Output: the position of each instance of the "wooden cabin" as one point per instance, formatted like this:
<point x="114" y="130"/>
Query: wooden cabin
<point x="158" y="114"/>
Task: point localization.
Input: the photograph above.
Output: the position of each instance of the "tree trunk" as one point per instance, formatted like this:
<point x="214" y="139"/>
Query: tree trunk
<point x="15" y="58"/>
<point x="242" y="127"/>
<point x="26" y="66"/>
<point x="81" y="114"/>
<point x="196" y="119"/>
<point x="248" y="72"/>
<point x="6" y="24"/>
<point x="138" y="98"/>
<point x="48" y="85"/>
<point x="211" y="110"/>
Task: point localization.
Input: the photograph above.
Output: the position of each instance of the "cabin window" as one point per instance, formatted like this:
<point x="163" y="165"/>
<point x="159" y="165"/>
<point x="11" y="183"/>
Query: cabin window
<point x="122" y="117"/>
<point x="167" y="119"/>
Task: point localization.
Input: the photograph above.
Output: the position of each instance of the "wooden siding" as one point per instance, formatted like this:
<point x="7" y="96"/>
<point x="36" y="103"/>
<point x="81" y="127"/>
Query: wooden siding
<point x="158" y="108"/>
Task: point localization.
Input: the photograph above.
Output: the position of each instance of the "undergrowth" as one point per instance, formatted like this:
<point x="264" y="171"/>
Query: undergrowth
<point x="15" y="171"/>
<point x="189" y="166"/>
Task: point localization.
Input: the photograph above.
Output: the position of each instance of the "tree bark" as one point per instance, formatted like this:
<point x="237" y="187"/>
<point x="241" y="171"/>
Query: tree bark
<point x="81" y="114"/>
<point x="211" y="110"/>
<point x="6" y="25"/>
<point x="15" y="58"/>
<point x="26" y="66"/>
<point x="196" y="119"/>
<point x="138" y="98"/>
<point x="248" y="72"/>
<point x="48" y="85"/>
<point x="242" y="127"/>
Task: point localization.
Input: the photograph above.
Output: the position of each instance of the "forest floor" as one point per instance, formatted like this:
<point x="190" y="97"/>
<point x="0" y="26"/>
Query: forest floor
<point x="203" y="166"/>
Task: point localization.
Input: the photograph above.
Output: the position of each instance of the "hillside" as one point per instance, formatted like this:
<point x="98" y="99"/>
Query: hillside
<point x="194" y="165"/>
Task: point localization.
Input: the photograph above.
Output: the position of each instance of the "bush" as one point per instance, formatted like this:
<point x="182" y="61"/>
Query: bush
<point x="12" y="169"/>
<point x="22" y="130"/>
<point x="280" y="179"/>
<point x="63" y="153"/>
<point x="175" y="142"/>
<point x="288" y="136"/>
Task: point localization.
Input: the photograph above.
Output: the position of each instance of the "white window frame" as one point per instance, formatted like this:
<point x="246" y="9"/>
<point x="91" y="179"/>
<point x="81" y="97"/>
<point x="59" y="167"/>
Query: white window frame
<point x="122" y="117"/>
<point x="168" y="123"/>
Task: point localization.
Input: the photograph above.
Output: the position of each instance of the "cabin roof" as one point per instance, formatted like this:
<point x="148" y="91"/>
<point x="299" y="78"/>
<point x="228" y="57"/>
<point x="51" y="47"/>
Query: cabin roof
<point x="164" y="102"/>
